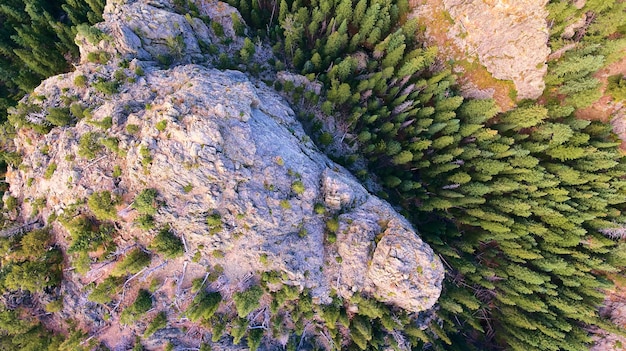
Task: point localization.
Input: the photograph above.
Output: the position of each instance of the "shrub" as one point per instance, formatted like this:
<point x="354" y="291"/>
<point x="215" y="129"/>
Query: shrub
<point x="88" y="145"/>
<point x="187" y="188"/>
<point x="54" y="306"/>
<point x="139" y="347"/>
<point x="332" y="225"/>
<point x="142" y="304"/>
<point x="81" y="262"/>
<point x="302" y="232"/>
<point x="132" y="128"/>
<point x="248" y="300"/>
<point x="92" y="34"/>
<point x="103" y="292"/>
<point x="326" y="139"/>
<point x="159" y="322"/>
<point x="117" y="171"/>
<point x="37" y="204"/>
<point x="165" y="60"/>
<point x="145" y="222"/>
<point x="204" y="306"/>
<point x="78" y="110"/>
<point x="319" y="208"/>
<point x="617" y="87"/>
<point x="134" y="262"/>
<point x="105" y="123"/>
<point x="216" y="272"/>
<point x="167" y="244"/>
<point x="146" y="157"/>
<point x="214" y="222"/>
<point x="113" y="145"/>
<point x="50" y="170"/>
<point x="106" y="87"/>
<point x="102" y="205"/>
<point x="11" y="158"/>
<point x="297" y="187"/>
<point x="238" y="26"/>
<point x="59" y="116"/>
<point x="247" y="51"/>
<point x="161" y="125"/>
<point x="98" y="57"/>
<point x="218" y="29"/>
<point x="10" y="203"/>
<point x="145" y="202"/>
<point x="80" y="81"/>
<point x="119" y="75"/>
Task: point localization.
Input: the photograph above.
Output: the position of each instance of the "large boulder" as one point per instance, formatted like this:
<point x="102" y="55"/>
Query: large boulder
<point x="237" y="178"/>
<point x="510" y="38"/>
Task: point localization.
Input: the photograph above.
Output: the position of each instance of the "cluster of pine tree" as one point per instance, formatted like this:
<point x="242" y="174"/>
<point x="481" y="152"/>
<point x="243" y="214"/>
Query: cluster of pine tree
<point x="514" y="203"/>
<point x="582" y="48"/>
<point x="37" y="41"/>
<point x="29" y="263"/>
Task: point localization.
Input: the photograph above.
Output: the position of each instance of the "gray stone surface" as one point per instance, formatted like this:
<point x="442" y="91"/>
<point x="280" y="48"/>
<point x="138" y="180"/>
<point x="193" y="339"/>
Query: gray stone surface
<point x="509" y="38"/>
<point x="151" y="30"/>
<point x="240" y="148"/>
<point x="230" y="146"/>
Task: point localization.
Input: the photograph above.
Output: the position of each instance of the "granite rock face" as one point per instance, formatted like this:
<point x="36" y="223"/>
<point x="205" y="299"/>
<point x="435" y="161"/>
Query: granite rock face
<point x="240" y="150"/>
<point x="509" y="37"/>
<point x="153" y="31"/>
<point x="212" y="143"/>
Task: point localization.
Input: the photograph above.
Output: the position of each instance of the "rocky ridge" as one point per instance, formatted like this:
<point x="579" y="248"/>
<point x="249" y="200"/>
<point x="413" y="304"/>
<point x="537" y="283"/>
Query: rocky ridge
<point x="509" y="38"/>
<point x="211" y="142"/>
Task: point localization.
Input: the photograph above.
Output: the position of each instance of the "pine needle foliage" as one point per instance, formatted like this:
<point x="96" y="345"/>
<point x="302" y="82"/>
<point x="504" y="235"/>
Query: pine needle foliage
<point x="167" y="244"/>
<point x="135" y="261"/>
<point x="248" y="300"/>
<point x="514" y="203"/>
<point x="37" y="41"/>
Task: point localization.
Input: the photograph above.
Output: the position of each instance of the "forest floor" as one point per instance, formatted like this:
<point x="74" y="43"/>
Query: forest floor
<point x="606" y="109"/>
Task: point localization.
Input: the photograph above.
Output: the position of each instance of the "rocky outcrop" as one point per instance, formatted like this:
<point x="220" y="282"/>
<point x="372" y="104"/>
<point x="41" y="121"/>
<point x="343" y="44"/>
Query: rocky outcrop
<point x="153" y="31"/>
<point x="240" y="150"/>
<point x="510" y="38"/>
<point x="496" y="41"/>
<point x="213" y="144"/>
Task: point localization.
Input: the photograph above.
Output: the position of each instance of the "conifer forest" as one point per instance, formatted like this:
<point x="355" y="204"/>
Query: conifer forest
<point x="525" y="208"/>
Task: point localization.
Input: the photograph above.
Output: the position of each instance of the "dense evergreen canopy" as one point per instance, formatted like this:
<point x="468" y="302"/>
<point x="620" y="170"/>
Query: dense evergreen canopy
<point x="37" y="41"/>
<point x="521" y="206"/>
<point x="515" y="203"/>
